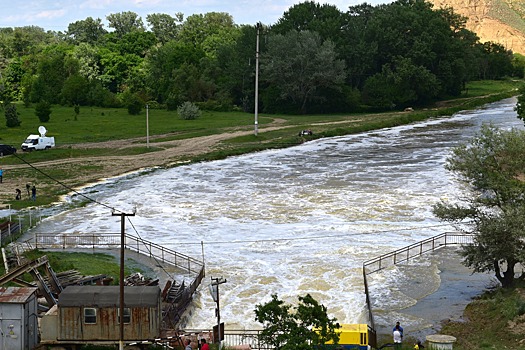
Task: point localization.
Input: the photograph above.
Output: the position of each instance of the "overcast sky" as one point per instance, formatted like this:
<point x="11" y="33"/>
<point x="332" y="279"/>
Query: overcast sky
<point x="58" y="14"/>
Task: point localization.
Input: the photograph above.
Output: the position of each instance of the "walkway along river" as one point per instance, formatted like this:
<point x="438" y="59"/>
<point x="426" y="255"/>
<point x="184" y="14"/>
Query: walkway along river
<point x="300" y="220"/>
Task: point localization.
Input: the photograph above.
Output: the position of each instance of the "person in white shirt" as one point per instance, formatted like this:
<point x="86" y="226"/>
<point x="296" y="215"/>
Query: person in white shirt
<point x="397" y="339"/>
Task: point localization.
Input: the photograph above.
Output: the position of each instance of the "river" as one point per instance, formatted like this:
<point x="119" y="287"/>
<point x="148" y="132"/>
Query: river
<point x="299" y="220"/>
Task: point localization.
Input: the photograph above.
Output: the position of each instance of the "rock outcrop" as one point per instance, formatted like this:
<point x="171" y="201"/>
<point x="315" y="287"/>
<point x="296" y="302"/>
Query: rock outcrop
<point x="500" y="21"/>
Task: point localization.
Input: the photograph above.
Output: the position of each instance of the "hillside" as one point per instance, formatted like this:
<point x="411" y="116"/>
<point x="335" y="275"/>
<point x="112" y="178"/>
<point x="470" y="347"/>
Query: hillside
<point x="501" y="21"/>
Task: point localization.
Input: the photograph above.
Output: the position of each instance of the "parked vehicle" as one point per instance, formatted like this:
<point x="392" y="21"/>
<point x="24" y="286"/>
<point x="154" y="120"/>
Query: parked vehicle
<point x="6" y="150"/>
<point x="38" y="142"/>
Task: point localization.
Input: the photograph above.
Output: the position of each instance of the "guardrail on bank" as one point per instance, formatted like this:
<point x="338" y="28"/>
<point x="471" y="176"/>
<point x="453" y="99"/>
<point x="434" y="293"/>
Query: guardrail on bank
<point x="409" y="252"/>
<point x="113" y="241"/>
<point x="415" y="250"/>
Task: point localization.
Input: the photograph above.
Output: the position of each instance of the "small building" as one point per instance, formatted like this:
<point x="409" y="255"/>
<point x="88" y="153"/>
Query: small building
<point x="90" y="314"/>
<point x="18" y="318"/>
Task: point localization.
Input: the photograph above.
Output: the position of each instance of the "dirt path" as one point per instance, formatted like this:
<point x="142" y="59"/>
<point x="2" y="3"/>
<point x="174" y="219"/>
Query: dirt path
<point x="104" y="167"/>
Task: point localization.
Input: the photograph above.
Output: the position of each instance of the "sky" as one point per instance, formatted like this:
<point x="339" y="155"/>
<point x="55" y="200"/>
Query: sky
<point x="56" y="15"/>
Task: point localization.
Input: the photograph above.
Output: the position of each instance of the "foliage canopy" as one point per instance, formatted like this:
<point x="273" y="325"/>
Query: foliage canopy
<point x="492" y="165"/>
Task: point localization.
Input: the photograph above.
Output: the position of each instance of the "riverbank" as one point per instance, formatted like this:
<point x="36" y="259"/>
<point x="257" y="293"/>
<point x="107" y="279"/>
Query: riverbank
<point x="59" y="172"/>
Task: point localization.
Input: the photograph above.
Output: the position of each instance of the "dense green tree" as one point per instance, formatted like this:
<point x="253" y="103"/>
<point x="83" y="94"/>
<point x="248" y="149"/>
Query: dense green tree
<point x="299" y="64"/>
<point x="324" y="19"/>
<point x="491" y="164"/>
<point x="209" y="32"/>
<point x="43" y="111"/>
<point x="11" y="115"/>
<point x="518" y="66"/>
<point x="88" y="30"/>
<point x="498" y="61"/>
<point x="125" y="22"/>
<point x="305" y="327"/>
<point x="75" y="90"/>
<point x="520" y="105"/>
<point x="401" y="84"/>
<point x="161" y="65"/>
<point x="51" y="75"/>
<point x="164" y="26"/>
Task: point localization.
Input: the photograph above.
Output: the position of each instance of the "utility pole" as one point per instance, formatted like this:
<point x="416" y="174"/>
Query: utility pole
<point x="121" y="277"/>
<point x="257" y="79"/>
<point x="147" y="126"/>
<point x="214" y="290"/>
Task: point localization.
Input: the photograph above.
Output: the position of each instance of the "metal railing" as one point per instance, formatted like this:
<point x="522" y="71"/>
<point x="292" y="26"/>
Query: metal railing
<point x="409" y="252"/>
<point x="113" y="240"/>
<point x="415" y="250"/>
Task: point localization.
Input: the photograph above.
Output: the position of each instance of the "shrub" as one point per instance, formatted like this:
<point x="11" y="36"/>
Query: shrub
<point x="188" y="111"/>
<point x="43" y="111"/>
<point x="11" y="116"/>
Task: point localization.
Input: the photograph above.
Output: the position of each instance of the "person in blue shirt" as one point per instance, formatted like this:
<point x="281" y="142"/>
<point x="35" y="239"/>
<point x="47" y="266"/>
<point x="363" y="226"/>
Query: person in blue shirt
<point x="398" y="327"/>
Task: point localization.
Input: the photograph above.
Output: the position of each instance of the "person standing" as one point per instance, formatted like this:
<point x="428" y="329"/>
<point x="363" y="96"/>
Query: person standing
<point x="398" y="339"/>
<point x="1" y="175"/>
<point x="187" y="343"/>
<point x="18" y="194"/>
<point x="28" y="188"/>
<point x="399" y="328"/>
<point x="33" y="193"/>
<point x="204" y="345"/>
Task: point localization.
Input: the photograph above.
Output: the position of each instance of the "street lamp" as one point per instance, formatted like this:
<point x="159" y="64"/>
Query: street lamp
<point x="214" y="291"/>
<point x="257" y="81"/>
<point x="147" y="125"/>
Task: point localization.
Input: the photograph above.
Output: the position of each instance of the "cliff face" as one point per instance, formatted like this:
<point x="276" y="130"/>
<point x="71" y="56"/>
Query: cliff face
<point x="500" y="21"/>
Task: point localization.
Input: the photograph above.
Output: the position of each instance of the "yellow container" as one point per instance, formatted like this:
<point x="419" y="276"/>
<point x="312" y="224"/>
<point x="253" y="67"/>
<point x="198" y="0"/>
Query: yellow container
<point x="353" y="336"/>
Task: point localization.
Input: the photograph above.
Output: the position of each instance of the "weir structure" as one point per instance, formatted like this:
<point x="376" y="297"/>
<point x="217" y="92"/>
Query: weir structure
<point x="242" y="339"/>
<point x="407" y="253"/>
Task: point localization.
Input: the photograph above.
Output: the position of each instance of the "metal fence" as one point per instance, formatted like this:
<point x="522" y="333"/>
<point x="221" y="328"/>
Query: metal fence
<point x="415" y="250"/>
<point x="113" y="240"/>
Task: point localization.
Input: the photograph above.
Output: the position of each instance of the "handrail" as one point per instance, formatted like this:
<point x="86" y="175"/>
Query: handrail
<point x="112" y="240"/>
<point x="416" y="249"/>
<point x="404" y="254"/>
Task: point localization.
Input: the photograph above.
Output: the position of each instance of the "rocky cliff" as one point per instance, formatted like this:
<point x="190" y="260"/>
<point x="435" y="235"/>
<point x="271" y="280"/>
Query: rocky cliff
<point x="501" y="21"/>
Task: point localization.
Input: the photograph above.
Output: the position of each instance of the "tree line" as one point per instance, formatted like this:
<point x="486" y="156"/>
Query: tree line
<point x="314" y="59"/>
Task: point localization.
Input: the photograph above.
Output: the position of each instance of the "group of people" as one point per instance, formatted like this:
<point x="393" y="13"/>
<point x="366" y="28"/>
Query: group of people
<point x="31" y="192"/>
<point x="203" y="345"/>
<point x="397" y="333"/>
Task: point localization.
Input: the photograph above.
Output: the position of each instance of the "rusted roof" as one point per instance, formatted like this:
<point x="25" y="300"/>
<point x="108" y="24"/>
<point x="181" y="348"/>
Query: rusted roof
<point x="16" y="295"/>
<point x="109" y="296"/>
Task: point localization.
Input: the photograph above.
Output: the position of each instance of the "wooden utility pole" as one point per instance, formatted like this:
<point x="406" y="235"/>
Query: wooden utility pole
<point x="121" y="277"/>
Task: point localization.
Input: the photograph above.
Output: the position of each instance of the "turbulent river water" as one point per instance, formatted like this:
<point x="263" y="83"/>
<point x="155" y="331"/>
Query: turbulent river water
<point x="299" y="220"/>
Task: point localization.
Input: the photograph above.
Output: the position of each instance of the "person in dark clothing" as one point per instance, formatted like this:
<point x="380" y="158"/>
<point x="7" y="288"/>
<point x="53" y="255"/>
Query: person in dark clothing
<point x="18" y="194"/>
<point x="33" y="193"/>
<point x="28" y="188"/>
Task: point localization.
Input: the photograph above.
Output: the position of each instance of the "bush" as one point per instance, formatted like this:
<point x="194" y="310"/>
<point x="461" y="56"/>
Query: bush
<point x="188" y="111"/>
<point x="11" y="116"/>
<point x="43" y="111"/>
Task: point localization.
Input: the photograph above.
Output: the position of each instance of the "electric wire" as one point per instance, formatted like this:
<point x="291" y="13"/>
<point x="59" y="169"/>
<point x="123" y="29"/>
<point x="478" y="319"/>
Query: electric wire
<point x="275" y="240"/>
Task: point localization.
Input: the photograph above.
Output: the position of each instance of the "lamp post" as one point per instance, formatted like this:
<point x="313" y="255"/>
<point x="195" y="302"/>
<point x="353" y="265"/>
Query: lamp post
<point x="214" y="290"/>
<point x="257" y="80"/>
<point x="147" y="125"/>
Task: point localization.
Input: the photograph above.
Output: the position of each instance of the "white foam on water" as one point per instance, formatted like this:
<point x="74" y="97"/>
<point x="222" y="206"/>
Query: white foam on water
<point x="297" y="220"/>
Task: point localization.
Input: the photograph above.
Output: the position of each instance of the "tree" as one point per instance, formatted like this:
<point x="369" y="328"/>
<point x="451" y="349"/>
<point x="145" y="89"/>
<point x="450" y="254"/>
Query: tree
<point x="520" y="105"/>
<point x="86" y="31"/>
<point x="43" y="111"/>
<point x="492" y="165"/>
<point x="11" y="116"/>
<point x="299" y="64"/>
<point x="164" y="26"/>
<point x="304" y="327"/>
<point x="125" y="22"/>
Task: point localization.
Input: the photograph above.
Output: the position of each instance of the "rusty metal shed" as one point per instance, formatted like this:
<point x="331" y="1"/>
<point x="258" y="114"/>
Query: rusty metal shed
<point x="18" y="318"/>
<point x="91" y="313"/>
